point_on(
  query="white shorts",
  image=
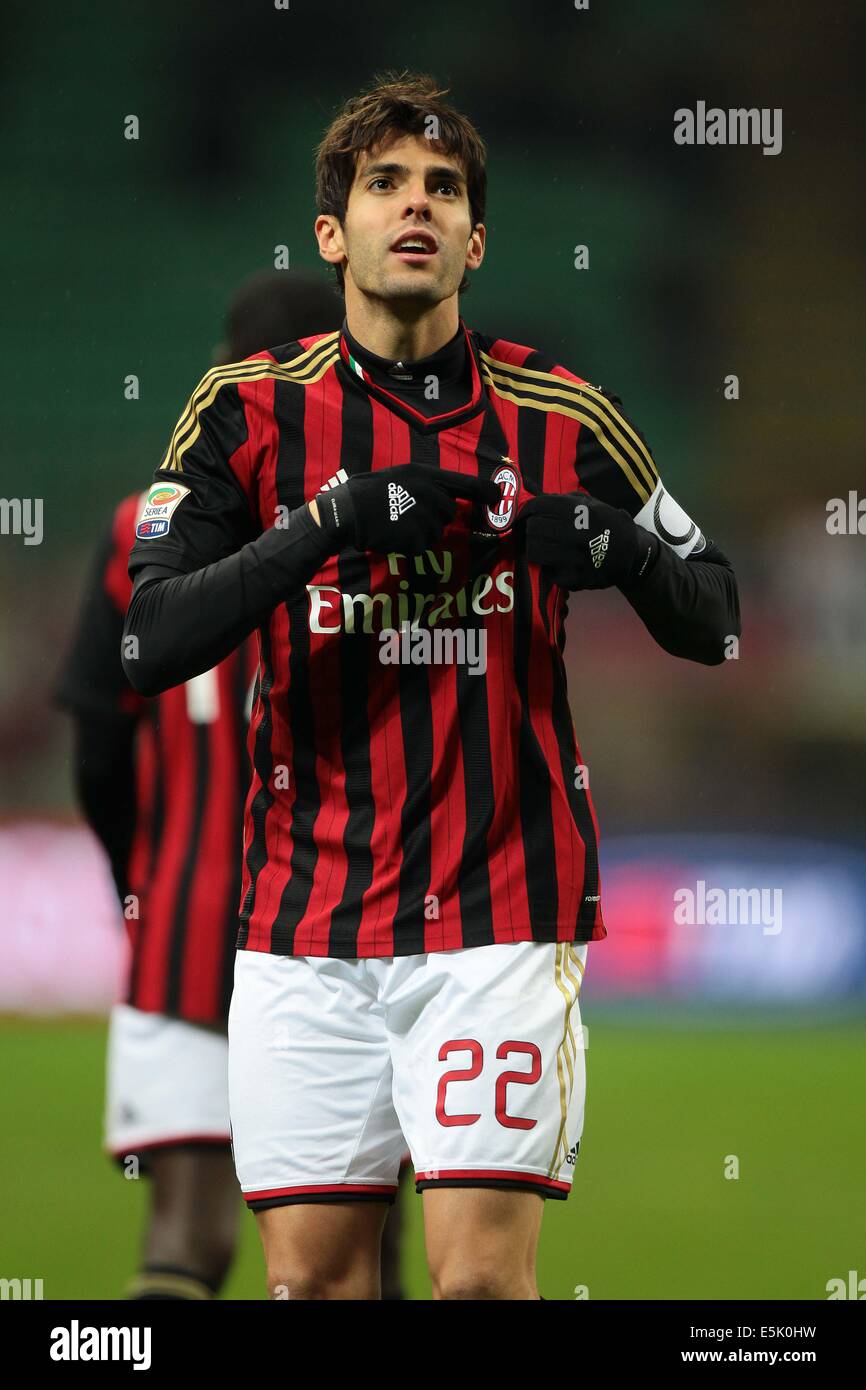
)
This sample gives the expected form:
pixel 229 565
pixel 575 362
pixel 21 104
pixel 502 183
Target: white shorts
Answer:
pixel 474 1055
pixel 167 1083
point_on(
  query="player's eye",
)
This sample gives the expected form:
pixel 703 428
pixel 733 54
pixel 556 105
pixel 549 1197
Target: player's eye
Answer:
pixel 381 178
pixel 452 186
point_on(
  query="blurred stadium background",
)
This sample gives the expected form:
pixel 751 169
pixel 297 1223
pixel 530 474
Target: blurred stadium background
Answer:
pixel 704 1041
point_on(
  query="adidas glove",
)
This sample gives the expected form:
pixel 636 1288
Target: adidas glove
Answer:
pixel 584 543
pixel 403 508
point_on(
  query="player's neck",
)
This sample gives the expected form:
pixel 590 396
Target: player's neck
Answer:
pixel 405 337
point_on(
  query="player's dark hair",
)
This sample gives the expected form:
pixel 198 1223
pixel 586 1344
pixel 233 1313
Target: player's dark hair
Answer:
pixel 397 104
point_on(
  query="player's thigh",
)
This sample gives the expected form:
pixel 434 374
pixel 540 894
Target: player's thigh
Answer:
pixel 195 1207
pixel 482 1242
pixel 194 1185
pixel 323 1249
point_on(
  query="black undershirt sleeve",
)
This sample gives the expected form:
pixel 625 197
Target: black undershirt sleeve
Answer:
pixel 104 771
pixel 187 623
pixel 106 714
pixel 691 607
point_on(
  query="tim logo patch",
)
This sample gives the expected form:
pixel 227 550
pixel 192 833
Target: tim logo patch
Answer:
pixel 501 517
pixel 161 501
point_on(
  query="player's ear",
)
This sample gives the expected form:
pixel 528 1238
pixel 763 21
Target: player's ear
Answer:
pixel 475 246
pixel 329 235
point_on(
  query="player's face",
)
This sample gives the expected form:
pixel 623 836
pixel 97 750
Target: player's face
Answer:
pixel 408 231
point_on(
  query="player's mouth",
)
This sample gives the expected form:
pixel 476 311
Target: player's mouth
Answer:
pixel 415 247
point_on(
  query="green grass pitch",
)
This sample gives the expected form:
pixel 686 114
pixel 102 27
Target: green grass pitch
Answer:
pixel 651 1216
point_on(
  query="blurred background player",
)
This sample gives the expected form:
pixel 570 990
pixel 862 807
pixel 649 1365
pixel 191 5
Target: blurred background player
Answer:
pixel 162 784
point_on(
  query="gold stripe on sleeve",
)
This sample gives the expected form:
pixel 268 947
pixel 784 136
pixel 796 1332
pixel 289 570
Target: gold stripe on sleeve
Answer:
pixel 188 427
pixel 589 407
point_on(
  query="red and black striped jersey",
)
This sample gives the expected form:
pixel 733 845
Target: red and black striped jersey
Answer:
pixel 421 805
pixel 191 774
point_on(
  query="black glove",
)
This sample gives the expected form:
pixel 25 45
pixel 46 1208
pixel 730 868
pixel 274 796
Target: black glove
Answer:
pixel 403 508
pixel 584 543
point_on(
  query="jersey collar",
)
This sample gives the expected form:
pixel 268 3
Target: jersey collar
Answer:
pixel 401 406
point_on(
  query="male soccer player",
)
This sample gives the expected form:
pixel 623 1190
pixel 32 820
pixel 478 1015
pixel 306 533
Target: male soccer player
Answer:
pixel 420 858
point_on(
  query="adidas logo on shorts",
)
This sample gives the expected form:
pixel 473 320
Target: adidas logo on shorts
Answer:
pixel 399 500
pixel 598 548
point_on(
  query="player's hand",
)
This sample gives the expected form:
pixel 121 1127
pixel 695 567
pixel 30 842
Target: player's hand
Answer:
pixel 584 543
pixel 403 508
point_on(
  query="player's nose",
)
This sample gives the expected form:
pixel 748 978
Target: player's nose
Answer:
pixel 418 199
